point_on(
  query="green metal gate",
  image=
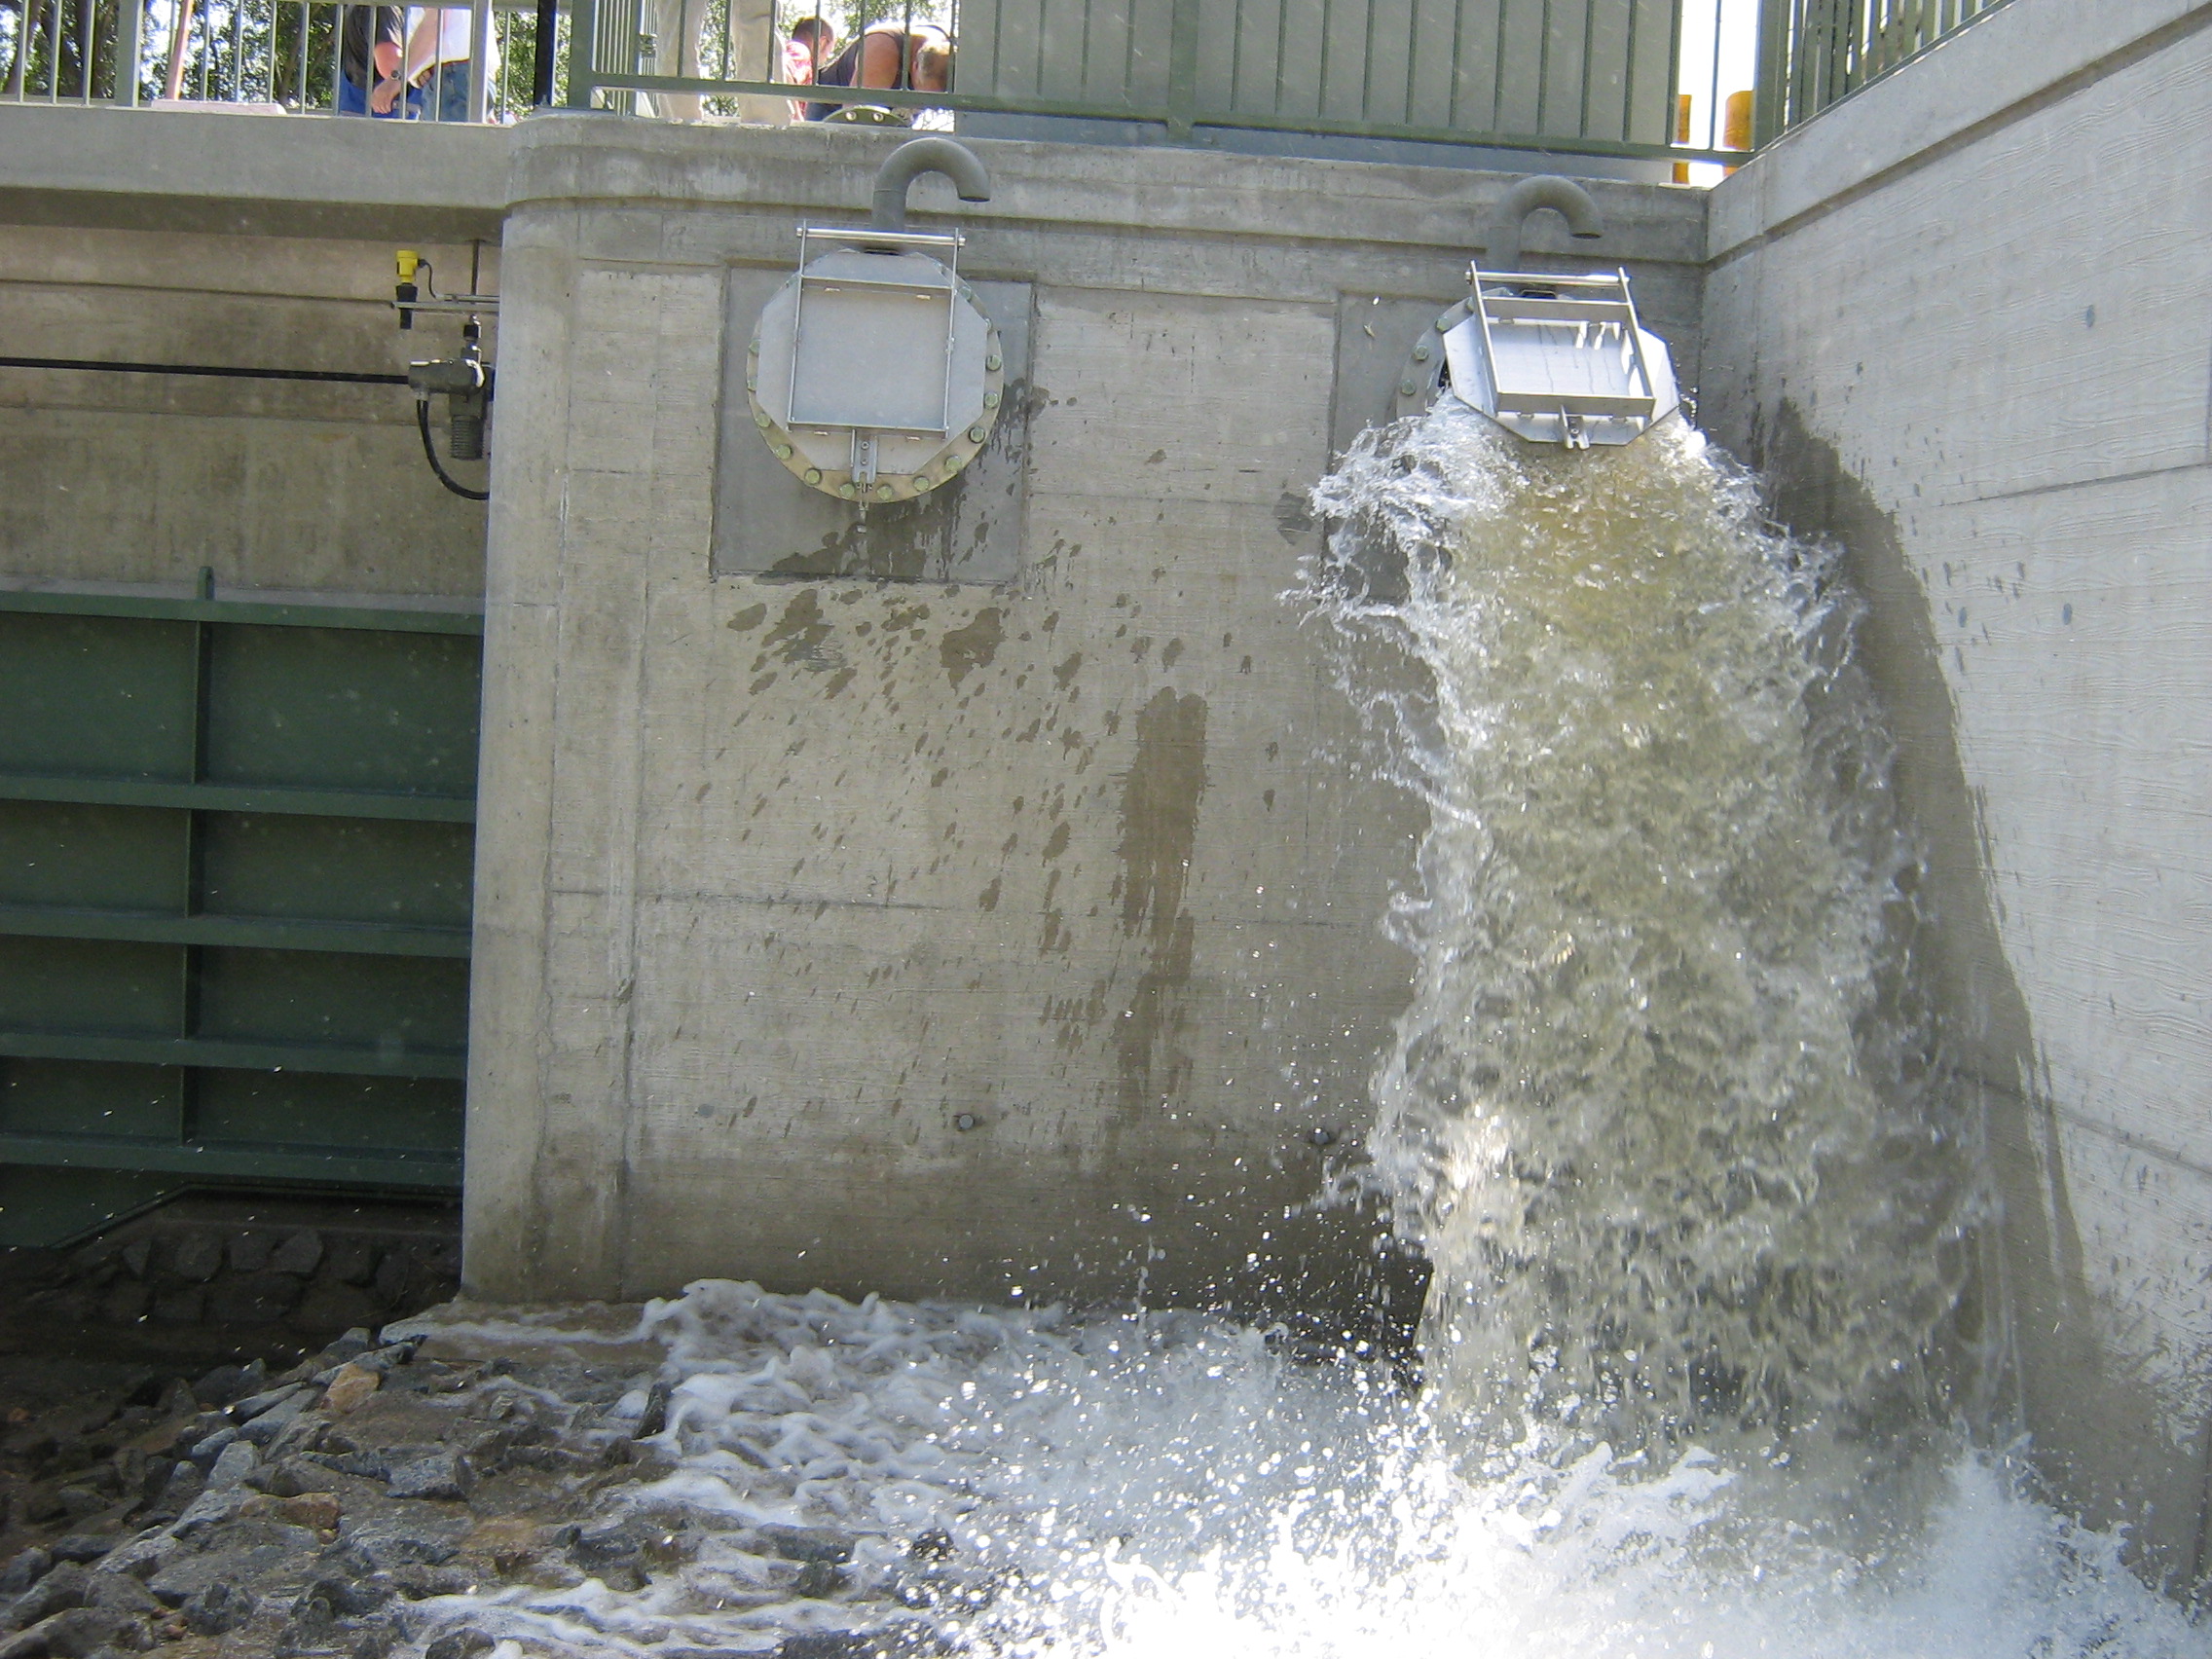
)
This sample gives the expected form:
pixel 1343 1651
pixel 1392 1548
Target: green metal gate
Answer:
pixel 235 869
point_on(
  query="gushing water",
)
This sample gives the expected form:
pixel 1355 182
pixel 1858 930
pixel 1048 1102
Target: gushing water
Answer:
pixel 1663 1112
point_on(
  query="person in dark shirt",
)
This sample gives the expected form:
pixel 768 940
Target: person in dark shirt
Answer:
pixel 371 35
pixel 917 59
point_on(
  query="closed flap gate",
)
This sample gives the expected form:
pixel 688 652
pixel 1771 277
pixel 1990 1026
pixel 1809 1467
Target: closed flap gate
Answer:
pixel 236 845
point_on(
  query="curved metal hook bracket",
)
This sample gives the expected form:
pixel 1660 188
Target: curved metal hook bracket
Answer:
pixel 919 156
pixel 1501 251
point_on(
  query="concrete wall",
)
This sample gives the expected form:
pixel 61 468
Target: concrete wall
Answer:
pixel 781 881
pixel 1960 319
pixel 116 246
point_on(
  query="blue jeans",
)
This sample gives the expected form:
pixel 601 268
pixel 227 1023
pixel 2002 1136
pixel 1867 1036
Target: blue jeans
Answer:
pixel 446 89
pixel 353 100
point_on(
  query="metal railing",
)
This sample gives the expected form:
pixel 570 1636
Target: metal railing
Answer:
pixel 1591 76
pixel 1813 53
pixel 1633 77
pixel 266 54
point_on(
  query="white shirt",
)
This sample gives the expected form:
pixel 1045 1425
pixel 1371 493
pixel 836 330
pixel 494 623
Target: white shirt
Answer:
pixel 453 36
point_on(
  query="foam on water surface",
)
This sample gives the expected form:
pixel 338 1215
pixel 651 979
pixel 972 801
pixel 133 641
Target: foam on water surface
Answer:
pixel 1166 1487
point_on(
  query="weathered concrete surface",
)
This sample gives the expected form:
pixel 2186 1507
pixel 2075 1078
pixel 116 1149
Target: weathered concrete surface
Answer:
pixel 1959 319
pixel 945 940
pixel 112 249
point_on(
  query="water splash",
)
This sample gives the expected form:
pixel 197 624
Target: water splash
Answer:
pixel 1025 1485
pixel 1663 1112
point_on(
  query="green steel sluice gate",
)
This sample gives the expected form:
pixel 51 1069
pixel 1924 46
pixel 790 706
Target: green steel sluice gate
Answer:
pixel 235 841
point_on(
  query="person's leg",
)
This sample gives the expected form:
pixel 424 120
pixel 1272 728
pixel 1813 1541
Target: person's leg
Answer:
pixel 673 26
pixel 758 57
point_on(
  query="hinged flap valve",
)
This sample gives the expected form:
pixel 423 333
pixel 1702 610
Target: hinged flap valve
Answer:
pixel 872 373
pixel 1559 359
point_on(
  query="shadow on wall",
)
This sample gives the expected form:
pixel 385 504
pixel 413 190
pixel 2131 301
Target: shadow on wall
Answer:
pixel 2091 1418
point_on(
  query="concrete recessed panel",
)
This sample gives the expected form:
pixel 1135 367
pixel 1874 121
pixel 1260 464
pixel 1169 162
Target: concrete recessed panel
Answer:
pixel 767 523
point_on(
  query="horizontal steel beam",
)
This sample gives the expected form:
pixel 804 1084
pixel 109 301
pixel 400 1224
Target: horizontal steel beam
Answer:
pixel 155 927
pixel 377 618
pixel 223 1055
pixel 240 798
pixel 435 1170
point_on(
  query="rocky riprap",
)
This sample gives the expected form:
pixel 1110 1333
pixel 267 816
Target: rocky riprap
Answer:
pixel 211 1276
pixel 354 1505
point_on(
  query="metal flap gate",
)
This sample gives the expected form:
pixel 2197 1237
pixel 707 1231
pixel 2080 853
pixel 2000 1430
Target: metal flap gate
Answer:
pixel 235 872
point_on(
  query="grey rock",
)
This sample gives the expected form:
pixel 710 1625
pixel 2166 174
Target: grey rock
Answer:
pixel 439 1475
pixel 120 1593
pixel 248 1252
pixel 348 1595
pixel 62 1587
pixel 300 1254
pixel 186 1481
pixel 265 1428
pixel 391 1281
pixel 136 1254
pixel 385 1360
pixel 807 1543
pixel 368 1465
pixel 198 1257
pixel 83 1548
pixel 143 1555
pixel 421 1583
pixel 422 1539
pixel 352 1345
pixel 351 1260
pixel 209 1446
pixel 210 1510
pixel 228 1382
pixel 291 1477
pixel 23 1570
pixel 465 1643
pixel 243 1554
pixel 232 1465
pixel 252 1299
pixel 77 1634
pixel 79 1501
pixel 219 1609
pixel 253 1405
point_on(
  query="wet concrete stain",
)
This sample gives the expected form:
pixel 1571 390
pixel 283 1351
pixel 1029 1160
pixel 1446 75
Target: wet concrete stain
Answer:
pixel 798 634
pixel 1159 826
pixel 975 646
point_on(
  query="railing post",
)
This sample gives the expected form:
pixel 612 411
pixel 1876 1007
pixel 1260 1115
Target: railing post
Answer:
pixel 1770 103
pixel 583 52
pixel 1182 69
pixel 479 59
pixel 548 45
pixel 131 37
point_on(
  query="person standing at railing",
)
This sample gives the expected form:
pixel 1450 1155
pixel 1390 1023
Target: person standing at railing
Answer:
pixel 909 59
pixel 356 54
pixel 436 63
pixel 812 44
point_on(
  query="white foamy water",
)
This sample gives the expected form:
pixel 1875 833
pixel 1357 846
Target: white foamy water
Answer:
pixel 1704 1355
pixel 1169 1487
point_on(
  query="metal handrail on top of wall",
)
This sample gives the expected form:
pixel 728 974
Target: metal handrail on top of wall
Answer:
pixel 1591 77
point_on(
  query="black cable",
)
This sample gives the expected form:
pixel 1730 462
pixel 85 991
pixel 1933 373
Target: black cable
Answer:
pixel 430 454
pixel 207 370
